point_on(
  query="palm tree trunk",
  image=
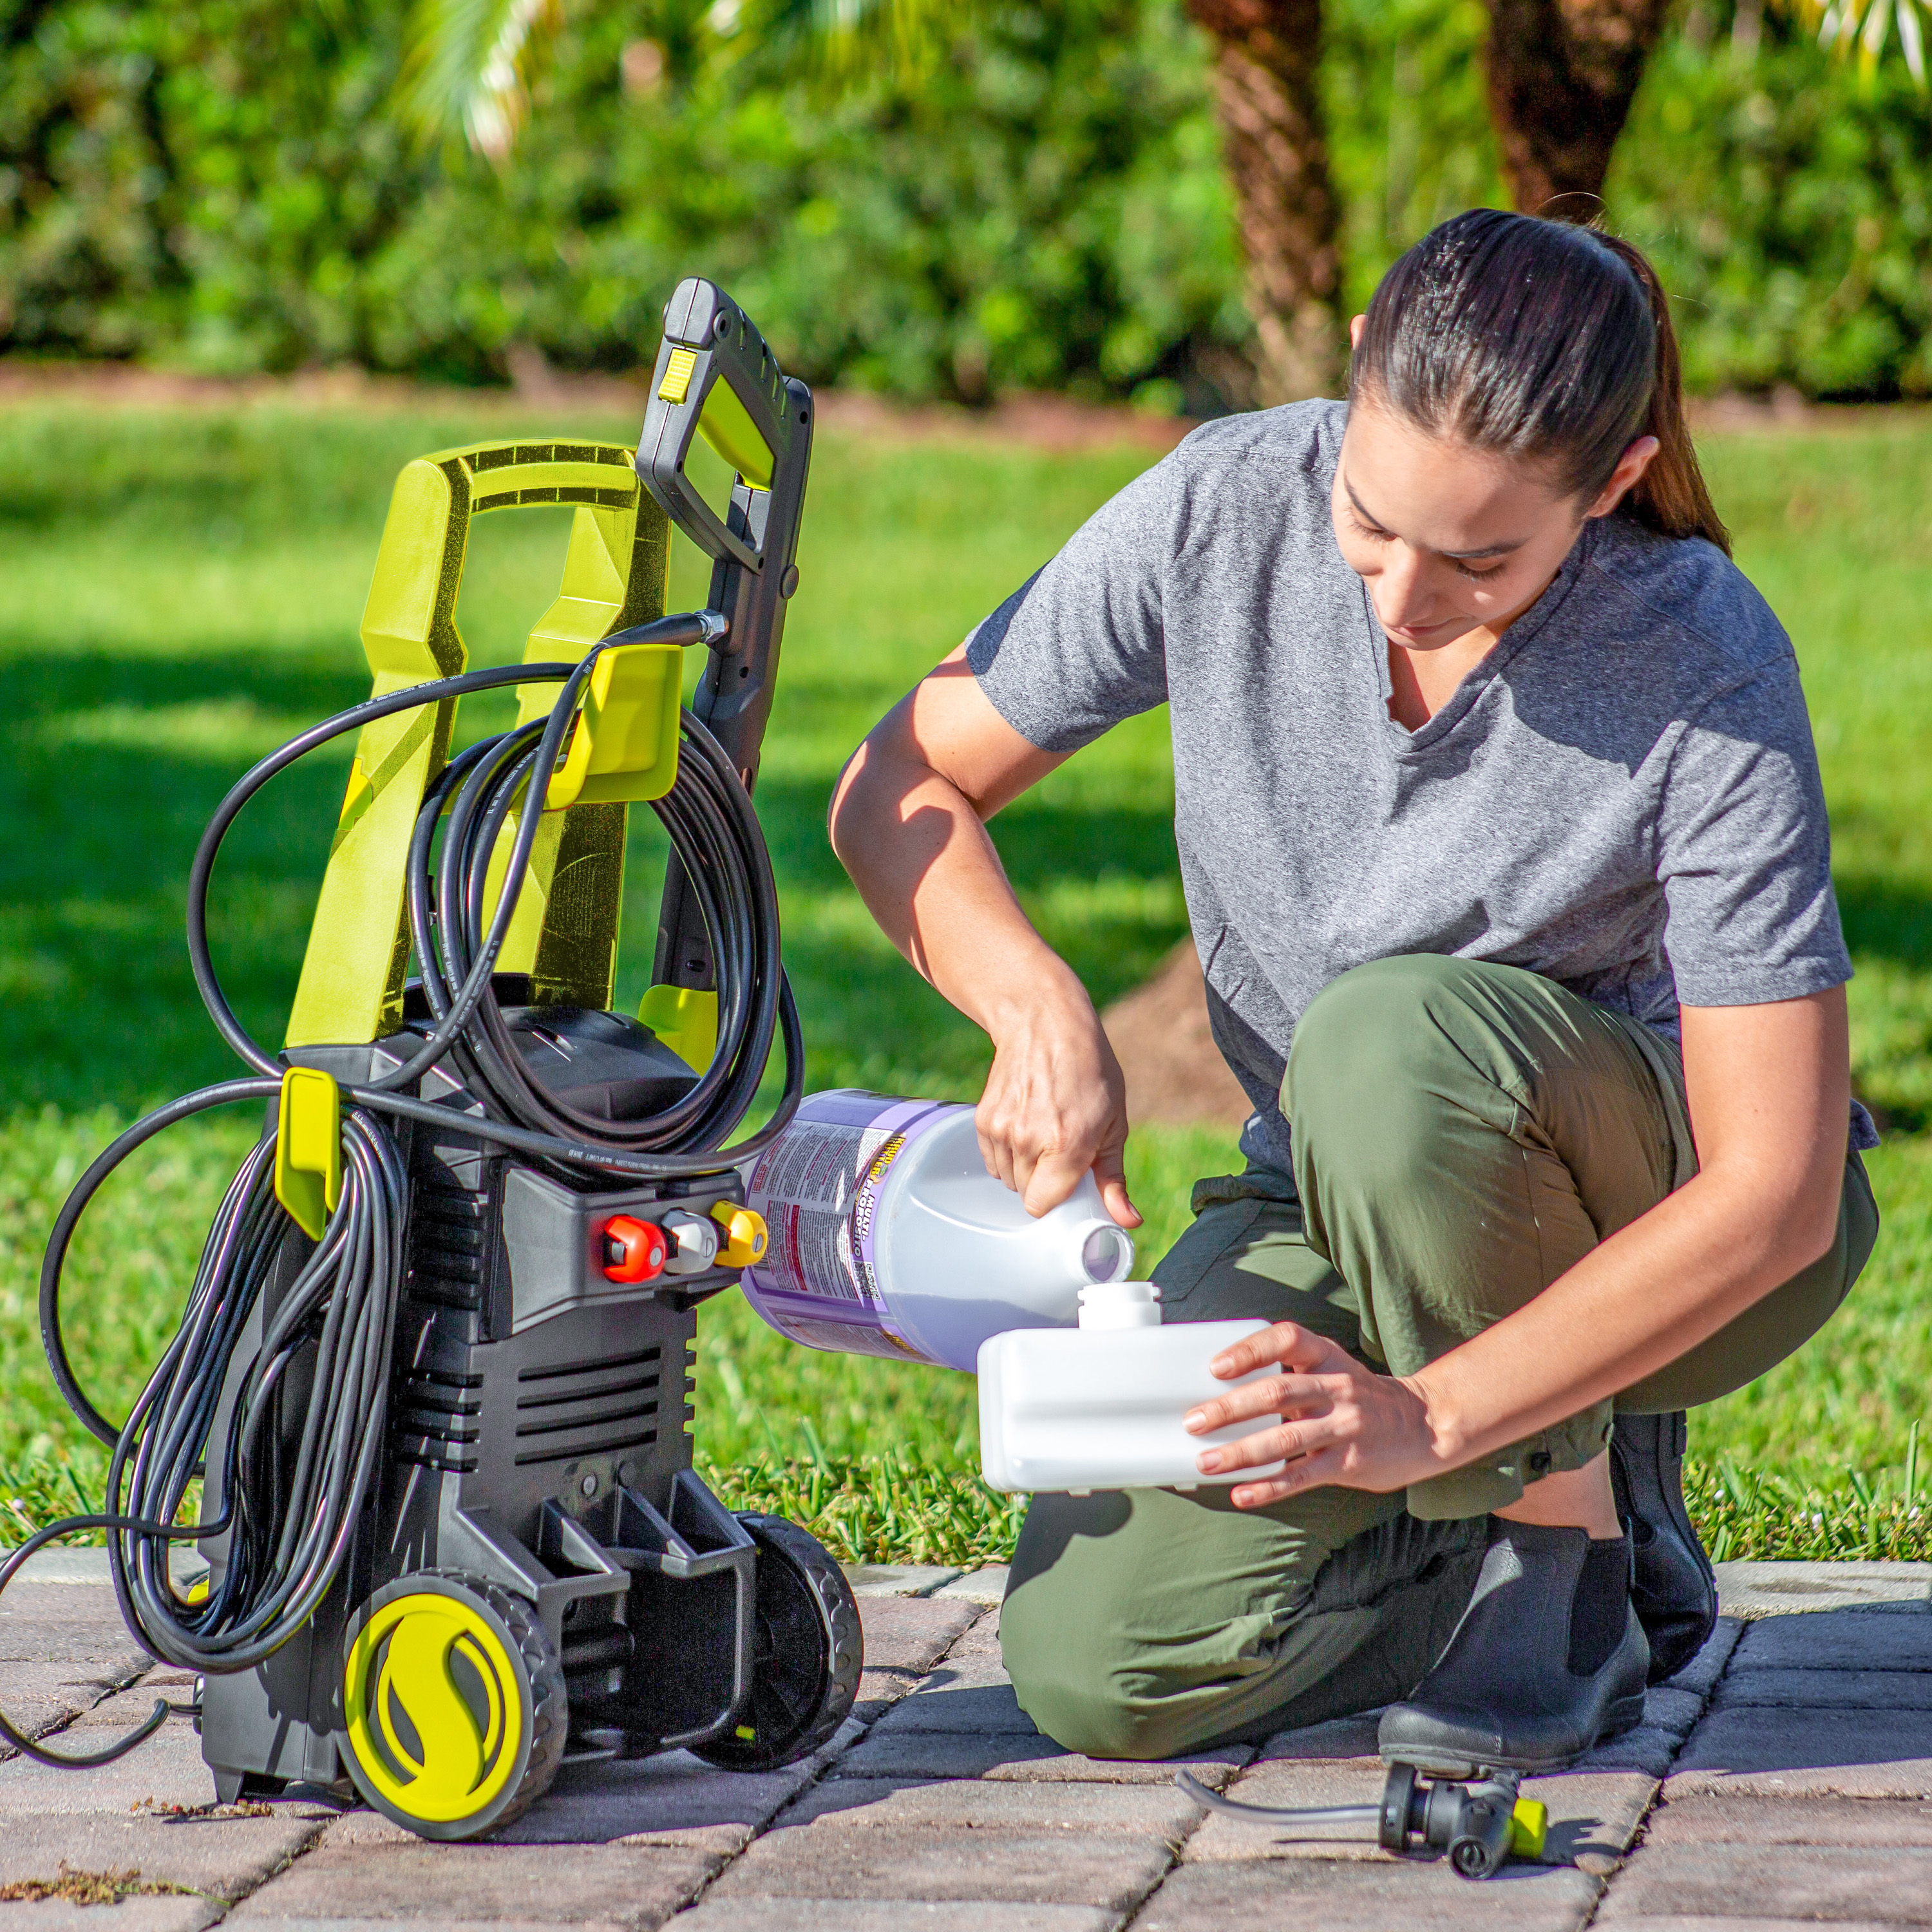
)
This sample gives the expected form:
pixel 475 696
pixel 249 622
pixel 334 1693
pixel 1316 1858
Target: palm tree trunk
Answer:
pixel 1562 75
pixel 1266 64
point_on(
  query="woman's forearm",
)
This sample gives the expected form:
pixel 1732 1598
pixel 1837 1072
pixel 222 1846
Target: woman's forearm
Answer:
pixel 1768 1088
pixel 1656 1288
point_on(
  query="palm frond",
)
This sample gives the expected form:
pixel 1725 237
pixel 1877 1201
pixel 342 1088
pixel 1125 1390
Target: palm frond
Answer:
pixel 467 66
pixel 855 38
pixel 1863 27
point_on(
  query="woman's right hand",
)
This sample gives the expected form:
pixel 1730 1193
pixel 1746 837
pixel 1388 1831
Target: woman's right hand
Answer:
pixel 1055 1106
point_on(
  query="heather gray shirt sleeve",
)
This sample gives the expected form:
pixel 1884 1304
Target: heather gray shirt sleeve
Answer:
pixel 1744 852
pixel 1081 645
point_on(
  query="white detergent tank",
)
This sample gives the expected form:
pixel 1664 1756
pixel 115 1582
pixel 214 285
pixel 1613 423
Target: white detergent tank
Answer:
pixel 1101 1406
pixel 888 1237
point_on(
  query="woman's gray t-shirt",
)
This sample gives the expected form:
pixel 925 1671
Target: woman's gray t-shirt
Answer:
pixel 1623 795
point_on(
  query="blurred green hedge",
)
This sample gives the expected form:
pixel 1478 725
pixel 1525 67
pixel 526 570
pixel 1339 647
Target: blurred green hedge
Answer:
pixel 217 184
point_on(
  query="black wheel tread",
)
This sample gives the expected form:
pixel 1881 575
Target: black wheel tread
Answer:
pixel 813 1566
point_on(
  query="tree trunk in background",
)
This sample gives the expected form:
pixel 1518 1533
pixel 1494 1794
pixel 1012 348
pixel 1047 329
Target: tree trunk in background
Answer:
pixel 1266 84
pixel 1562 75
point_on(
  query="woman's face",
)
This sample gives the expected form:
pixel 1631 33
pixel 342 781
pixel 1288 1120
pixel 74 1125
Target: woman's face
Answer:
pixel 1450 539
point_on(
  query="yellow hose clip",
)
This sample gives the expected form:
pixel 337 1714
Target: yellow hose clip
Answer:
pixel 308 1148
pixel 745 1234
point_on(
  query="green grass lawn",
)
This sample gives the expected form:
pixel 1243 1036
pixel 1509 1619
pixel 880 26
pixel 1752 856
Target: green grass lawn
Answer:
pixel 182 588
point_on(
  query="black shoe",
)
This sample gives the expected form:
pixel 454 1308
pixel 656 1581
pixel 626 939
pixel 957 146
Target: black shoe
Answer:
pixel 1548 1659
pixel 1674 1589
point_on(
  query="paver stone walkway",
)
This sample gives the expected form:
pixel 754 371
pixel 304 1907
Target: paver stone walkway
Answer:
pixel 1784 1778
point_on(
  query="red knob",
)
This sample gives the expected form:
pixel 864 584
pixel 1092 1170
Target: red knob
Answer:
pixel 633 1250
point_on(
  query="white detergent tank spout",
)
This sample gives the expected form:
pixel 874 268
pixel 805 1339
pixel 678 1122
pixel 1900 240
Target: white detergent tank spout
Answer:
pixel 1101 1406
pixel 1120 1304
pixel 888 1237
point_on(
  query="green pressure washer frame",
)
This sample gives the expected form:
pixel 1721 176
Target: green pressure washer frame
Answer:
pixel 537 1434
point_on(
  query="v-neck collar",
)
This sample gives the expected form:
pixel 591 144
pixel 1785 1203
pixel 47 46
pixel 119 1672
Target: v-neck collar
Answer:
pixel 1461 700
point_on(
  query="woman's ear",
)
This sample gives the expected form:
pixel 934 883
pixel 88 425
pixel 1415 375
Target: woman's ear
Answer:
pixel 1630 466
pixel 1355 331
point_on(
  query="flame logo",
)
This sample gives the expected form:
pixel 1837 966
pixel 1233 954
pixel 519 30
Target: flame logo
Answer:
pixel 435 1706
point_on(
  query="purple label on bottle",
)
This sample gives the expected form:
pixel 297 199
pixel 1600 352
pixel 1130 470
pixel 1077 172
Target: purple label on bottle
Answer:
pixel 818 1187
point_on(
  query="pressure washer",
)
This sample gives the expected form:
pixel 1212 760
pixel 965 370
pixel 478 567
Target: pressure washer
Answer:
pixel 434 1367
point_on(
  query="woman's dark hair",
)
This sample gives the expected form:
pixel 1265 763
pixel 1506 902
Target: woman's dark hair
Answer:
pixel 1543 341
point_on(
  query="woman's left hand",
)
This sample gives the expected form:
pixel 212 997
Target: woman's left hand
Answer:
pixel 1339 1422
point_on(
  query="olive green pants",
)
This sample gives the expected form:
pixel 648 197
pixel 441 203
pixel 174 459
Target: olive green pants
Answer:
pixel 1463 1133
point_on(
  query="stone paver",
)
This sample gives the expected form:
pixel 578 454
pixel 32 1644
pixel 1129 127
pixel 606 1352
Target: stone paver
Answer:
pixel 674 1799
pixel 832 1859
pixel 899 1915
pixel 1768 1589
pixel 406 1880
pixel 1029 1757
pixel 225 1855
pixel 1363 1895
pixel 1751 1818
pixel 1790 1689
pixel 897 1580
pixel 1845 1639
pixel 953 1700
pixel 135 1914
pixel 167 1769
pixel 987 1587
pixel 41 1696
pixel 895 1805
pixel 912 1633
pixel 1858 1753
pixel 978 1639
pixel 1677 1923
pixel 1794 1755
pixel 879 1690
pixel 1340 1737
pixel 1885 1884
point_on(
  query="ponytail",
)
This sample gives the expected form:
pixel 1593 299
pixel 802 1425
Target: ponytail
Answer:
pixel 1669 496
pixel 1545 342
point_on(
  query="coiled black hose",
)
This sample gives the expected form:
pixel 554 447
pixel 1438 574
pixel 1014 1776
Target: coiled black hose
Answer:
pixel 291 1516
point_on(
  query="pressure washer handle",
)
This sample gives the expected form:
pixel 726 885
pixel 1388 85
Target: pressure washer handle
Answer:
pixel 716 376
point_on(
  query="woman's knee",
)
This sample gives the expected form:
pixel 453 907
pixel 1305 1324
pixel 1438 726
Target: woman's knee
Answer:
pixel 1375 1068
pixel 1095 1710
pixel 1086 1687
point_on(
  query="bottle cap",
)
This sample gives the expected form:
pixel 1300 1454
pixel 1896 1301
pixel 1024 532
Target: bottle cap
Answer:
pixel 1120 1304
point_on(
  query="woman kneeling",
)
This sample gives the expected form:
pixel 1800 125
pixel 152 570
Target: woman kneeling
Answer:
pixel 1505 854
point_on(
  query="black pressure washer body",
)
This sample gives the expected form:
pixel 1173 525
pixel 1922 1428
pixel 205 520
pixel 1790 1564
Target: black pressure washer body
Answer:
pixel 454 1534
pixel 537 1475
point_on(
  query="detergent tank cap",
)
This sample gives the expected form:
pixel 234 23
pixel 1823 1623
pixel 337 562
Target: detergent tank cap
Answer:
pixel 1120 1304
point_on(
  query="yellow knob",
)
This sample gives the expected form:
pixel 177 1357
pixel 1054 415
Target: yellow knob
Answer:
pixel 1529 1828
pixel 745 1234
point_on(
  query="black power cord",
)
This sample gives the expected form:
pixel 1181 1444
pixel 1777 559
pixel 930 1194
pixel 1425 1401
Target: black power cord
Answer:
pixel 292 1514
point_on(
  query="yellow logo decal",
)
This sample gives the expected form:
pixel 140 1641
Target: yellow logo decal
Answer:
pixel 434 1706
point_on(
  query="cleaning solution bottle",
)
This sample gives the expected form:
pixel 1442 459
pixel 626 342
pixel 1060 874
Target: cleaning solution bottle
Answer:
pixel 1101 1406
pixel 889 1237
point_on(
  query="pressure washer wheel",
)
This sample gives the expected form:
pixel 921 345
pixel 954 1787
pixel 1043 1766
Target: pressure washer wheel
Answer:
pixel 806 1655
pixel 454 1714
